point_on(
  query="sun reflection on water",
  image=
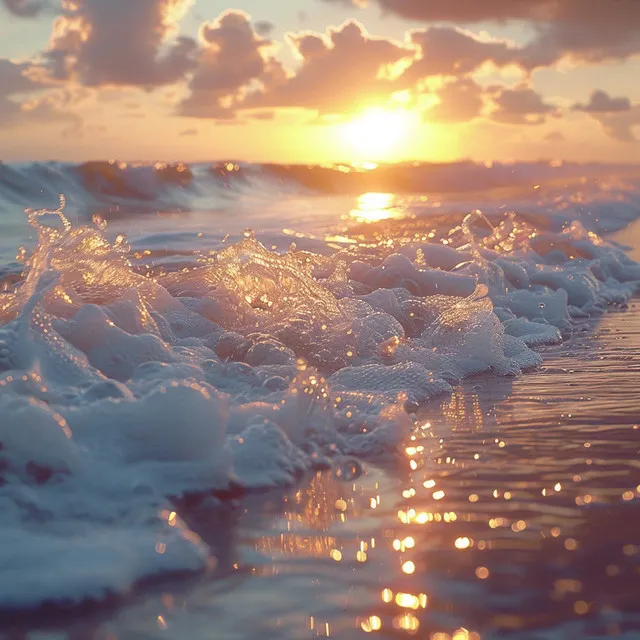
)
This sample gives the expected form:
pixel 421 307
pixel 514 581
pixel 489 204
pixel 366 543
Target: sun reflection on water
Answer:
pixel 374 207
pixel 485 531
pixel 487 525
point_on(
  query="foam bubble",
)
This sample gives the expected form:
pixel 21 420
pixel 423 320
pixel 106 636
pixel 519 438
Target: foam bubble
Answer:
pixel 122 389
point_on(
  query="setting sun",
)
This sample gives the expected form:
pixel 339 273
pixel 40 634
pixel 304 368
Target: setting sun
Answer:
pixel 379 134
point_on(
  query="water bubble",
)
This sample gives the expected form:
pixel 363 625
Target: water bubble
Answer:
pixel 120 244
pixel 348 469
pixel 411 406
pixel 99 221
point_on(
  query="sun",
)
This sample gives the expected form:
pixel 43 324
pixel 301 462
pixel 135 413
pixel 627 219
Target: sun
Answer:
pixel 379 134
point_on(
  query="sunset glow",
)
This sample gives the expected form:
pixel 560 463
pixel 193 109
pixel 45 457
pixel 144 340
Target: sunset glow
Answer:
pixel 379 134
pixel 373 207
pixel 349 81
pixel 278 285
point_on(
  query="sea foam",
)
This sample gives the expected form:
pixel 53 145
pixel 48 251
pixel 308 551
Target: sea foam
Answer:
pixel 125 388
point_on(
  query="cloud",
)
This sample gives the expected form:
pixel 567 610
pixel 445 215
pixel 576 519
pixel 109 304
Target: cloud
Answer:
pixel 460 101
pixel 589 30
pixel 25 8
pixel 617 116
pixel 189 132
pixel 470 11
pixel 23 100
pixel 341 70
pixel 452 51
pixel 232 57
pixel 555 136
pixel 262 115
pixel 120 43
pixel 265 28
pixel 521 105
pixel 14 79
pixel 601 102
pixel 620 126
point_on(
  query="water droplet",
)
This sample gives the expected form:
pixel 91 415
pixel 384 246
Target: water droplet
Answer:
pixel 348 469
pixel 121 244
pixel 99 221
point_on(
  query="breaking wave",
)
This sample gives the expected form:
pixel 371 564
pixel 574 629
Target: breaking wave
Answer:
pixel 120 188
pixel 128 383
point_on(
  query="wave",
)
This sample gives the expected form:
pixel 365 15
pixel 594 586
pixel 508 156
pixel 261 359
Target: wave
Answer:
pixel 126 386
pixel 122 188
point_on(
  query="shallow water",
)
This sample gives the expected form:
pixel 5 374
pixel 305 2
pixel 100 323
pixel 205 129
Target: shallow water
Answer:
pixel 134 406
pixel 513 514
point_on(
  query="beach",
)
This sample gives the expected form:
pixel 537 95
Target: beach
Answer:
pixel 499 502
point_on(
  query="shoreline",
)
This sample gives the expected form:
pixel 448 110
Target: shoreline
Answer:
pixel 324 538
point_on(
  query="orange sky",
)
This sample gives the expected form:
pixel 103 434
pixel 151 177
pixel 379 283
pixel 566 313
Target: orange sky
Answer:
pixel 330 81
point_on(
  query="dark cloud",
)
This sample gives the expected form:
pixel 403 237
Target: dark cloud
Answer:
pixel 264 28
pixel 470 11
pixel 26 8
pixel 589 30
pixel 521 105
pixel 601 102
pixel 460 101
pixel 189 132
pixel 340 71
pixel 120 43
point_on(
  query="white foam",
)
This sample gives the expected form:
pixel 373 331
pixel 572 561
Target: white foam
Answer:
pixel 120 391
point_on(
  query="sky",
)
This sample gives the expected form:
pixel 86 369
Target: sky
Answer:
pixel 317 81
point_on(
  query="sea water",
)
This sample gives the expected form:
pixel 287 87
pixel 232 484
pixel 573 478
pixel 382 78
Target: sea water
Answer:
pixel 177 338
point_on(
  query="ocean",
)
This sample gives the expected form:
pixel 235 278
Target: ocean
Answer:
pixel 242 401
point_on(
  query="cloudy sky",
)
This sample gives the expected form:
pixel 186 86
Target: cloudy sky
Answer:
pixel 320 80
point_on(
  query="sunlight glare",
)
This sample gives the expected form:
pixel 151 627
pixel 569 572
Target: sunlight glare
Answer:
pixel 379 134
pixel 373 207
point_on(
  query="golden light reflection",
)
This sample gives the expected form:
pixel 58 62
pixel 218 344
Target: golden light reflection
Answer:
pixel 407 601
pixel 463 543
pixel 373 623
pixel 408 567
pixel 310 515
pixel 336 555
pixel 374 206
pixel 408 622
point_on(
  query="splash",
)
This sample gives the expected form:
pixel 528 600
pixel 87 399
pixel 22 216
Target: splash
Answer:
pixel 123 388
